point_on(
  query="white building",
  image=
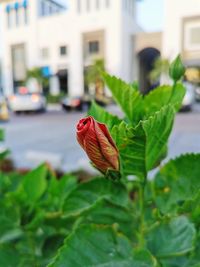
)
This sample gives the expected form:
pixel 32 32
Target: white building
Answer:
pixel 65 40
pixel 181 34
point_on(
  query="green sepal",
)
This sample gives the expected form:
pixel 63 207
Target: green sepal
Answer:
pixel 176 69
pixel 113 174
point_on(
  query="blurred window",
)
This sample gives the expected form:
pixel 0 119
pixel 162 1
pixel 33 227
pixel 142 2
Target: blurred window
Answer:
pixel 18 62
pixel 50 9
pixel 63 50
pixel 97 4
pixel 93 47
pixel 195 35
pixel 88 5
pixel 8 19
pixel 17 17
pixel 107 3
pixel 43 8
pixel 25 15
pixel 45 53
pixel 79 6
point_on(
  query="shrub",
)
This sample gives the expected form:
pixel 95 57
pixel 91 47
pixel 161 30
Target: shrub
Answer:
pixel 111 221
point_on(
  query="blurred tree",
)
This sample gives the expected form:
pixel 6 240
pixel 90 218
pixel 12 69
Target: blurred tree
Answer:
pixel 37 74
pixel 93 76
pixel 160 67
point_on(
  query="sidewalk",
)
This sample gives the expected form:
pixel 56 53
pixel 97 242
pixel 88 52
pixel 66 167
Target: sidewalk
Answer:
pixel 54 107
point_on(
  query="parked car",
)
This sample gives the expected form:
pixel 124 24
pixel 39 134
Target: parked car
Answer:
pixel 75 103
pixel 26 101
pixel 189 97
pixel 197 93
pixel 80 103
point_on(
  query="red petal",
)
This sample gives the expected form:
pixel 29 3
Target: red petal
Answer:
pixel 108 150
pixel 82 128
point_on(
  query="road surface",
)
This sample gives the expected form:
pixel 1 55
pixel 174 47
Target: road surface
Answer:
pixel 33 138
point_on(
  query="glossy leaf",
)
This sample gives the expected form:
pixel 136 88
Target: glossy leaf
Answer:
pixel 161 96
pixel 129 99
pixel 59 189
pixel 98 246
pixel 135 106
pixel 8 256
pixel 176 182
pixel 87 194
pixel 9 218
pixel 35 183
pixel 141 147
pixel 173 238
pixel 103 116
pixel 180 262
pixel 106 213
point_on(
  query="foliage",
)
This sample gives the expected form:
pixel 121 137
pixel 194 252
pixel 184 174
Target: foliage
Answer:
pixel 93 73
pixel 160 67
pixel 54 99
pixel 37 74
pixel 133 221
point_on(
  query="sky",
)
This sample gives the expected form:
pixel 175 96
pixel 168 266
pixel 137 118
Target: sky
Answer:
pixel 150 14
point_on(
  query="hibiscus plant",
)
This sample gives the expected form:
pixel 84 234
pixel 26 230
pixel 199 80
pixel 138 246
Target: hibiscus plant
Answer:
pixel 122 217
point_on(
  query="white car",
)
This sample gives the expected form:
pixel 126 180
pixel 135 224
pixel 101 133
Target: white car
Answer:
pixel 27 102
pixel 189 97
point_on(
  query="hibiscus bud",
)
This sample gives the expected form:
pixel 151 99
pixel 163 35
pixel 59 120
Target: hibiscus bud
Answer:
pixel 176 69
pixel 97 142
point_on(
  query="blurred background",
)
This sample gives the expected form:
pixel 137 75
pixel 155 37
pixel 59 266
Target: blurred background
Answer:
pixel 51 52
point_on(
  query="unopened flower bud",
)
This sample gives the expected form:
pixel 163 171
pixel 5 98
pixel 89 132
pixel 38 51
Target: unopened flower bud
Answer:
pixel 97 142
pixel 176 69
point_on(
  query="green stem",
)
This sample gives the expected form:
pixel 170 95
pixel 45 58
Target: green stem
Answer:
pixel 142 210
pixel 173 90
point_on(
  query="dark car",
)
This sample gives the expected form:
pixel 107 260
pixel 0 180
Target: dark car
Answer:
pixel 80 103
pixel 197 93
pixel 77 103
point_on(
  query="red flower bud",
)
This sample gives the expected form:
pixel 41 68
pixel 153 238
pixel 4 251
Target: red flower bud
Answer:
pixel 97 142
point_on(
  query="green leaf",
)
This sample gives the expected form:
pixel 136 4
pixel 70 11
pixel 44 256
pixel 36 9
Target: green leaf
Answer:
pixel 103 116
pixel 99 246
pixel 192 208
pixel 141 147
pixel 177 262
pixel 180 262
pixel 2 134
pixel 59 189
pixel 135 106
pixel 9 257
pixel 9 217
pixel 161 96
pixel 171 239
pixel 87 194
pixel 177 182
pixel 35 183
pixel 4 154
pixel 106 213
pixel 129 99
pixel 11 235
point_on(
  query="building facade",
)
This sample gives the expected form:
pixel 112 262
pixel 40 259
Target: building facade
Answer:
pixel 65 40
pixel 181 34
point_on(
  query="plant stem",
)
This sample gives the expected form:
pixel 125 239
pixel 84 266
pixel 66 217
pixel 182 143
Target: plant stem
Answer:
pixel 142 210
pixel 173 90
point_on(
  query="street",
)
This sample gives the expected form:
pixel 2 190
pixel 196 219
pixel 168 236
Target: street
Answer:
pixel 34 138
